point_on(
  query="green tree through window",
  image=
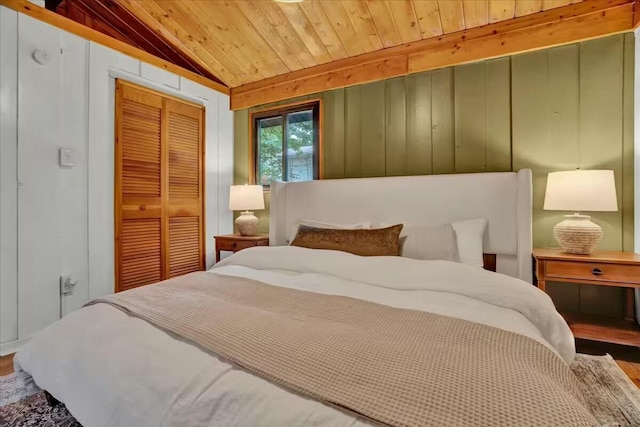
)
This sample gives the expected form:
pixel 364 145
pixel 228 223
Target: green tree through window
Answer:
pixel 286 144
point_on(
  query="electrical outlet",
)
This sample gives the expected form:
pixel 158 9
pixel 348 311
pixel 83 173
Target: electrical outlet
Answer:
pixel 66 285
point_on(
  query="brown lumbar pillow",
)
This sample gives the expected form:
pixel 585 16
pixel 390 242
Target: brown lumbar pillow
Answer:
pixel 368 242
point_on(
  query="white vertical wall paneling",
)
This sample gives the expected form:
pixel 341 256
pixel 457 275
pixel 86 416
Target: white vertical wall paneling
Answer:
pixel 72 183
pixel 636 148
pixel 38 303
pixel 65 216
pixel 52 228
pixel 196 90
pixel 8 174
pixel 225 164
pixel 155 74
pixel 116 73
pixel 211 178
pixel 122 62
pixel 101 169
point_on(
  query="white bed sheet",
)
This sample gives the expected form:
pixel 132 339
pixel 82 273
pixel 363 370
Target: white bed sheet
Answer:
pixel 114 370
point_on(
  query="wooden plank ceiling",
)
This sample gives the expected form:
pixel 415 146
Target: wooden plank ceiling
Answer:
pixel 266 50
pixel 250 40
pixel 112 19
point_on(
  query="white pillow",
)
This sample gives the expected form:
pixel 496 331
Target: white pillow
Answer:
pixel 316 224
pixel 421 241
pixel 426 241
pixel 469 241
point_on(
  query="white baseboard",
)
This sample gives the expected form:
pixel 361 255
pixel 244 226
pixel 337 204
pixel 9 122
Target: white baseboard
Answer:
pixel 12 346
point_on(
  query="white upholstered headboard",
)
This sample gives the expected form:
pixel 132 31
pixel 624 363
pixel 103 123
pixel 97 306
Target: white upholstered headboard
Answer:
pixel 503 198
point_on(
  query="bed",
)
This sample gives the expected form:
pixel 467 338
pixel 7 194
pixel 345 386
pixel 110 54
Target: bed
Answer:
pixel 297 352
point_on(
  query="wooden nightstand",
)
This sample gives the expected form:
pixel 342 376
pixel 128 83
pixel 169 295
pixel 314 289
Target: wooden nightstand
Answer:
pixel 620 269
pixel 236 242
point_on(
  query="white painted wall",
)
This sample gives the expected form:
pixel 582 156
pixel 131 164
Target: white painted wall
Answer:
pixel 8 173
pixel 56 221
pixel 52 202
pixel 636 166
pixel 636 150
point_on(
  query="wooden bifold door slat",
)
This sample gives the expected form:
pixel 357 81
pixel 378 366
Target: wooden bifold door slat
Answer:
pixel 158 186
pixel 140 158
pixel 140 252
pixel 184 156
pixel 184 254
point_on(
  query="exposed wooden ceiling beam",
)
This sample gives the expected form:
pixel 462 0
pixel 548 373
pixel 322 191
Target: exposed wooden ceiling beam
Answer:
pixel 568 24
pixel 42 14
pixel 564 30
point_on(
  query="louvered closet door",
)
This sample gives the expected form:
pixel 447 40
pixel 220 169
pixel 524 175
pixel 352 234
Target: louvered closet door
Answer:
pixel 159 187
pixel 138 187
pixel 185 219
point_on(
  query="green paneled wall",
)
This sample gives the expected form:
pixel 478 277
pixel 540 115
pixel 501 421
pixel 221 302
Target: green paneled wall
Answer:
pixel 572 108
pixel 557 109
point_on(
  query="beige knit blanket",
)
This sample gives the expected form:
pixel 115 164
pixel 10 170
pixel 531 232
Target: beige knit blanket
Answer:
pixel 393 366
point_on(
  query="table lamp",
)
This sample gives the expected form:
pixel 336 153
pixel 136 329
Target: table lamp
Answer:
pixel 580 190
pixel 243 198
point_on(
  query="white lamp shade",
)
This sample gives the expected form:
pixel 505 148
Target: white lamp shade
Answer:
pixel 246 197
pixel 581 190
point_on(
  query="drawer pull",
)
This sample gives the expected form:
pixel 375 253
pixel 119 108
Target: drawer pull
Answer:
pixel 597 272
pixel 234 244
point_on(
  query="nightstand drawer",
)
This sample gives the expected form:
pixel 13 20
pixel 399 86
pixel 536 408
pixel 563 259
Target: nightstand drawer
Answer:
pixel 592 271
pixel 236 242
pixel 230 245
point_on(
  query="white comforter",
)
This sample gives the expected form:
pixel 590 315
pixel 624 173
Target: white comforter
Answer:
pixel 114 370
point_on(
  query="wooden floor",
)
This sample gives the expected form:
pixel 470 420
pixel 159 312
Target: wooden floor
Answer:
pixel 628 358
pixel 6 365
pixel 632 370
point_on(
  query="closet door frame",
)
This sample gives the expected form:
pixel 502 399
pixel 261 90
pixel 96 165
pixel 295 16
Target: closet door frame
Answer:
pixel 120 84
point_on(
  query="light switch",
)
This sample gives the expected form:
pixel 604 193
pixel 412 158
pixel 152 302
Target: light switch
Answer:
pixel 66 157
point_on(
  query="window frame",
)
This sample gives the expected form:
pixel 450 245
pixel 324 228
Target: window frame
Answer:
pixel 283 110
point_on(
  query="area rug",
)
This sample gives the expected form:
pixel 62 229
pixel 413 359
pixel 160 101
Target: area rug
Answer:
pixel 612 397
pixel 15 387
pixel 34 411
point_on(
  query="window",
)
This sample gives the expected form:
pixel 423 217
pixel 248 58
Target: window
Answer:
pixel 286 143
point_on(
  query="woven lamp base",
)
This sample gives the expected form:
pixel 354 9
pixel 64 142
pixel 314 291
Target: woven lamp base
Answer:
pixel 577 234
pixel 247 224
